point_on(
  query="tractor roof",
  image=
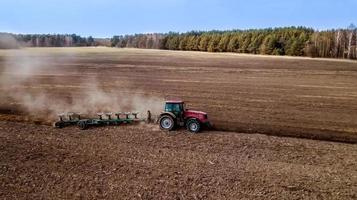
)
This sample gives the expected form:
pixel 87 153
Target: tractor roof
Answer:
pixel 174 101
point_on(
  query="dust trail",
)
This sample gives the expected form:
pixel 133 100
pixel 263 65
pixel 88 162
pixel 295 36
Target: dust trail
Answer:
pixel 96 98
pixel 20 86
pixel 7 41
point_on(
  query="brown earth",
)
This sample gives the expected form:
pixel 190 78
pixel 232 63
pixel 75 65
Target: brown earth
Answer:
pixel 141 162
pixel 299 97
pixel 313 98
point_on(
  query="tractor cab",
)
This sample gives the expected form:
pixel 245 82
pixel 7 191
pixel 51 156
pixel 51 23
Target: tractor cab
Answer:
pixel 175 107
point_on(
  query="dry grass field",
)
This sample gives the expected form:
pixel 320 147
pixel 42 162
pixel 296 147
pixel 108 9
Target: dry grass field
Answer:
pixel 276 96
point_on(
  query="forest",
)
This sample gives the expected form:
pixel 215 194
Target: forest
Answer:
pixel 10 41
pixel 291 41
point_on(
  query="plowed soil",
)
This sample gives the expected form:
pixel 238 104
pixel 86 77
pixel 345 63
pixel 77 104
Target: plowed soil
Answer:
pixel 299 97
pixel 141 162
pixel 276 96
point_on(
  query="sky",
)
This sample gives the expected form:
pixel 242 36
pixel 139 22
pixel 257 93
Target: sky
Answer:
pixel 105 18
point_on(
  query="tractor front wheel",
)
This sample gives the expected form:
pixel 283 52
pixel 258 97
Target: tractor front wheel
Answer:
pixel 193 126
pixel 167 123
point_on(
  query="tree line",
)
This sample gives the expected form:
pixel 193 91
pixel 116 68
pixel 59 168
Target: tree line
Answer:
pixel 292 41
pixel 144 41
pixel 8 40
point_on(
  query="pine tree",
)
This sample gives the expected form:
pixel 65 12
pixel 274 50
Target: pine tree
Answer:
pixel 233 44
pixel 223 43
pixel 269 45
pixel 213 43
pixel 204 43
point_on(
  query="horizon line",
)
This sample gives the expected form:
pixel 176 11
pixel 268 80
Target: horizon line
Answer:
pixel 180 32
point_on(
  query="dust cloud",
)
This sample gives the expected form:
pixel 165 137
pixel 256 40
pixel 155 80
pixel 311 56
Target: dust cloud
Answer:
pixel 22 74
pixel 8 42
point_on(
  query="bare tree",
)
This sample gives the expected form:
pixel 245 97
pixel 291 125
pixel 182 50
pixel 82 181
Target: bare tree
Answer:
pixel 356 45
pixel 349 44
pixel 338 43
pixel 351 29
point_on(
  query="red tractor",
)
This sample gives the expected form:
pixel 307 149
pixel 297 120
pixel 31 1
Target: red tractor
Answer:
pixel 176 115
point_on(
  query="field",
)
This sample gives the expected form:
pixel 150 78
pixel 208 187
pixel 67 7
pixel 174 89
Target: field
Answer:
pixel 275 96
pixel 312 98
pixel 141 162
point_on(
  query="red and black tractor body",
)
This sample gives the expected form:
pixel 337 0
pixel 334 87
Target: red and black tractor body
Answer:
pixel 176 115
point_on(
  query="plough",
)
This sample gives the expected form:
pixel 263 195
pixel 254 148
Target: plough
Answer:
pixel 72 119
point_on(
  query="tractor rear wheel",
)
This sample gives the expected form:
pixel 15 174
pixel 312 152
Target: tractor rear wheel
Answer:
pixel 167 123
pixel 193 126
pixel 82 125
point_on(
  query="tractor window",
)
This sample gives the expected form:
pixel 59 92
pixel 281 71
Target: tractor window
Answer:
pixel 173 107
pixel 168 107
pixel 177 107
pixel 183 107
